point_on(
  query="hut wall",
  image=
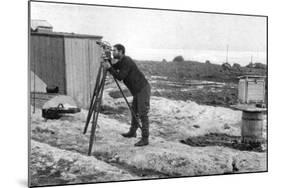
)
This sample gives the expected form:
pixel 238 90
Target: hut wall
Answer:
pixel 94 63
pixel 47 61
pixel 82 62
pixel 37 84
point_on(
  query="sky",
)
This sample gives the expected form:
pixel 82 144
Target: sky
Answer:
pixel 156 35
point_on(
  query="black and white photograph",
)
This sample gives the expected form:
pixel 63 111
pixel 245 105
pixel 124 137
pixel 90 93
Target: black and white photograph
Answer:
pixel 121 93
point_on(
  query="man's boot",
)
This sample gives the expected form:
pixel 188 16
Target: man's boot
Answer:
pixel 133 129
pixel 129 134
pixel 144 131
pixel 143 142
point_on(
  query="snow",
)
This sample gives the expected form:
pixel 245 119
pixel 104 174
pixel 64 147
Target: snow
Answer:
pixel 66 101
pixel 72 167
pixel 177 118
pixel 170 121
pixel 159 77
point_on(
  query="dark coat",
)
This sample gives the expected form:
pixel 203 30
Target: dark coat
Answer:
pixel 126 69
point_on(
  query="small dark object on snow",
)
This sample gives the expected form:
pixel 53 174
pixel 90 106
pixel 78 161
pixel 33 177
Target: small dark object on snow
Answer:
pixel 57 112
pixel 52 89
pixel 226 126
pixel 260 105
pixel 234 167
pixel 196 126
pixel 51 113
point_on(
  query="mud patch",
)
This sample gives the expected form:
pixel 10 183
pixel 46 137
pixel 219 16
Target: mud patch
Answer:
pixel 220 139
pixel 117 94
pixel 108 110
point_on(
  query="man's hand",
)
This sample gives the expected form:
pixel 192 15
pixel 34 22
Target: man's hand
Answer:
pixel 106 65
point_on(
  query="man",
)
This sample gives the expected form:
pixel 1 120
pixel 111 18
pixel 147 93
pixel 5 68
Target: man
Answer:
pixel 126 69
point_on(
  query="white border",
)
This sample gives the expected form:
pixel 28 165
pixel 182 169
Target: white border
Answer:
pixel 14 92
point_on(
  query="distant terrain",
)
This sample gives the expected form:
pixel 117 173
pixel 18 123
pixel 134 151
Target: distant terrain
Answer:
pixel 198 70
pixel 220 89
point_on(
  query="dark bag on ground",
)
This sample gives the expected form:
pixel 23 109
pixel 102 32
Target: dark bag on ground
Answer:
pixel 57 112
pixel 52 112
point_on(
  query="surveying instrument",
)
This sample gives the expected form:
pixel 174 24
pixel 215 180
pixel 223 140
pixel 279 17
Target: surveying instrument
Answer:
pixel 96 99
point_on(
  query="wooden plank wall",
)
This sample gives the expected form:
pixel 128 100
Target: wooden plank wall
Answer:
pixel 256 91
pixel 81 57
pixel 47 60
pixel 94 63
pixel 241 91
pixel 251 90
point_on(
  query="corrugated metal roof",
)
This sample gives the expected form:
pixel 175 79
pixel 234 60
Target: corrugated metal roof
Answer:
pixel 40 23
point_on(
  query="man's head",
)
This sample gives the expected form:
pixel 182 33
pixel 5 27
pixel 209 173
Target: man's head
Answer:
pixel 118 51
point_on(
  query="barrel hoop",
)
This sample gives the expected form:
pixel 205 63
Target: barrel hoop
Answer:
pixel 252 118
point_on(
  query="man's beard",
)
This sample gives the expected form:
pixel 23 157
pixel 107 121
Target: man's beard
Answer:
pixel 116 56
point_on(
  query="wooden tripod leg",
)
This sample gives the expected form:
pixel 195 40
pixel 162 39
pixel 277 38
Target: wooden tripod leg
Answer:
pixel 95 94
pixel 96 114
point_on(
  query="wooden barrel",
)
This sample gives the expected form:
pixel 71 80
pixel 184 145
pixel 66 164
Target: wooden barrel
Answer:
pixel 252 127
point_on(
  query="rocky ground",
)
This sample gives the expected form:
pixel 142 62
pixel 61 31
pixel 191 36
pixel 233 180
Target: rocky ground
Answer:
pixel 59 148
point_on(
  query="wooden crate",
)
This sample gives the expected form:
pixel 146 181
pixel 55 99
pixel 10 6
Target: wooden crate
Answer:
pixel 251 89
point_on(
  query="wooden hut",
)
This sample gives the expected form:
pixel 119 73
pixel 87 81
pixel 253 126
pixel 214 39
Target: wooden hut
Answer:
pixel 65 60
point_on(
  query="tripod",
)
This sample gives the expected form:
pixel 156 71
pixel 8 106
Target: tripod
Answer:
pixel 95 104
